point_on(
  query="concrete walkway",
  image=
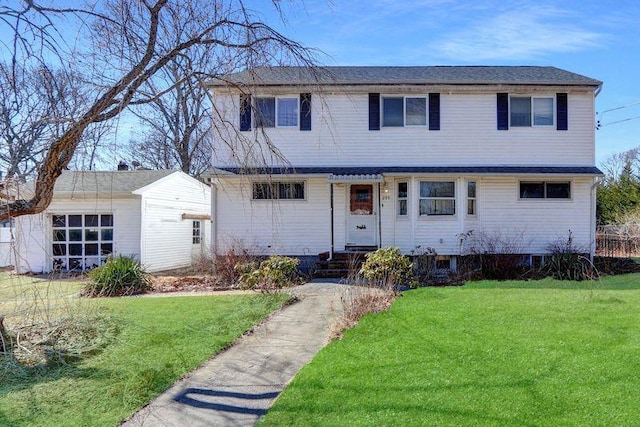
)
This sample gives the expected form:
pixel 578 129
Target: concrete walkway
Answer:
pixel 236 387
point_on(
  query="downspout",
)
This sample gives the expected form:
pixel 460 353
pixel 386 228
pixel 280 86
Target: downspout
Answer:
pixel 379 217
pixel 214 221
pixel 592 220
pixel 331 249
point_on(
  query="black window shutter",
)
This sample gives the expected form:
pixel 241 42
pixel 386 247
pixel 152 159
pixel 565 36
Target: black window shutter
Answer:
pixel 434 111
pixel 562 114
pixel 374 111
pixel 305 111
pixel 245 112
pixel 503 111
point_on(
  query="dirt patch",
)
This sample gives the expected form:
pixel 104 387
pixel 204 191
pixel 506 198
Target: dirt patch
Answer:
pixel 188 283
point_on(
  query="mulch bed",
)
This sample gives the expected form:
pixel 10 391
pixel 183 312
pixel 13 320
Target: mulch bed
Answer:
pixel 195 283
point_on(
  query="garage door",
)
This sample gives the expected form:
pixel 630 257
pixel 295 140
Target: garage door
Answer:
pixel 81 241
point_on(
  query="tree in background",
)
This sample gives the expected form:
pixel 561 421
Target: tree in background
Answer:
pixel 119 48
pixel 36 105
pixel 176 127
pixel 619 192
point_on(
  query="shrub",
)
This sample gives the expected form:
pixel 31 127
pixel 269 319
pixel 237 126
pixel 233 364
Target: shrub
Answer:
pixel 567 261
pixel 121 275
pixel 424 264
pixel 226 265
pixel 388 267
pixel 274 273
pixel 495 255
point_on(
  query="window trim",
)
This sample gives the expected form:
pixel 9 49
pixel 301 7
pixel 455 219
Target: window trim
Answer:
pixel 453 198
pixel 531 98
pixel 544 183
pixel 404 110
pixel 276 109
pixel 278 184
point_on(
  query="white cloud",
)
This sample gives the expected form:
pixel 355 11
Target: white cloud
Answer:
pixel 516 35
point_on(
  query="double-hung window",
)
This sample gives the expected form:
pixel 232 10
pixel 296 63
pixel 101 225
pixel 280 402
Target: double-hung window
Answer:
pixel 280 112
pixel 527 111
pixel 404 111
pixel 545 190
pixel 437 198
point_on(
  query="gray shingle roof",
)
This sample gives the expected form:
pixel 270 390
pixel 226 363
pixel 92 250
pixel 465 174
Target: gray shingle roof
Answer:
pixel 106 181
pixel 453 75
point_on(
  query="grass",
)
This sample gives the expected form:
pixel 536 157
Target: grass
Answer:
pixel 159 340
pixel 21 292
pixel 489 353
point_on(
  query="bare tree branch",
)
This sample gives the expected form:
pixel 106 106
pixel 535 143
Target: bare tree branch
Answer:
pixel 129 44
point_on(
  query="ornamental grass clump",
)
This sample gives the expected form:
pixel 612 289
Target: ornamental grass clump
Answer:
pixel 120 276
pixel 387 267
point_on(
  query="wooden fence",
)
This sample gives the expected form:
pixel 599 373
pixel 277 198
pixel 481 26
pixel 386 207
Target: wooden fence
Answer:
pixel 617 245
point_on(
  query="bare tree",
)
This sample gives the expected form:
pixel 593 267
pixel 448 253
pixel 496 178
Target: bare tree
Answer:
pixel 177 126
pixel 35 105
pixel 123 52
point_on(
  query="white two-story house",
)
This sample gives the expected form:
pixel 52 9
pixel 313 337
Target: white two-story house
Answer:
pixel 313 160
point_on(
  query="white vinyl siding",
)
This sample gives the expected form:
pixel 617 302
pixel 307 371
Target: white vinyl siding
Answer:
pixel 276 226
pixel 34 233
pixel 535 223
pixel 166 235
pixel 468 136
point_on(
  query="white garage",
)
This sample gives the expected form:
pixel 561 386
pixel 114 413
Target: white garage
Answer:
pixel 162 218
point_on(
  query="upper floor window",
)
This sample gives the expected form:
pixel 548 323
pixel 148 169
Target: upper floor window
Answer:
pixel 287 112
pixel 272 112
pixel 531 111
pixel 545 190
pixel 404 111
pixel 437 198
pixel 278 190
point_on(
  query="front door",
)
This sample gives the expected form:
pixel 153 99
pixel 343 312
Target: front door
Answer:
pixel 362 218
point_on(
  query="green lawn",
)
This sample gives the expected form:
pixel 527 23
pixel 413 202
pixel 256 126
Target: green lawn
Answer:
pixel 489 353
pixel 159 340
pixel 17 293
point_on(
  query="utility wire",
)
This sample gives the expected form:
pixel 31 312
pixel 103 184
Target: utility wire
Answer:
pixel 599 123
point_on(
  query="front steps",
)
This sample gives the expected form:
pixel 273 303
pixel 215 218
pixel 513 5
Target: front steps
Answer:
pixel 343 264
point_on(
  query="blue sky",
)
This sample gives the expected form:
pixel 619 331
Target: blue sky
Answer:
pixel 599 39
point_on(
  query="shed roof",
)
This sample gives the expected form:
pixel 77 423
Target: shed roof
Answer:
pixel 106 181
pixel 369 75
